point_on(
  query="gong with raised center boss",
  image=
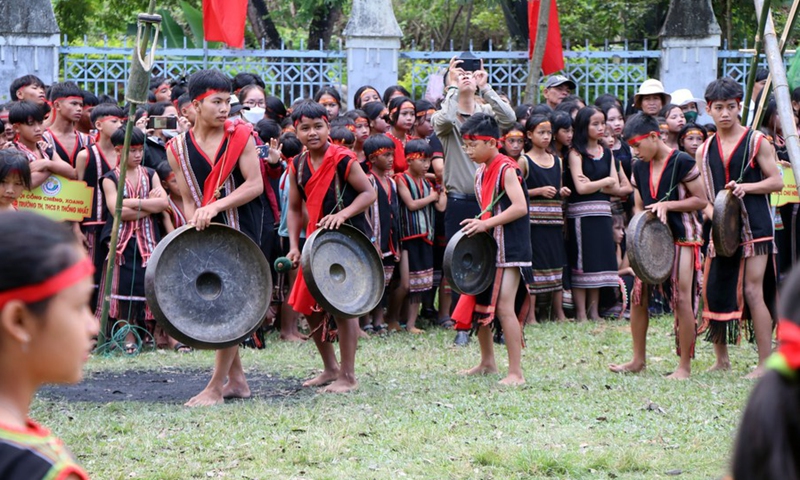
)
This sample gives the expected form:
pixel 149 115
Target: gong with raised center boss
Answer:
pixel 343 271
pixel 651 250
pixel 469 262
pixel 210 288
pixel 726 224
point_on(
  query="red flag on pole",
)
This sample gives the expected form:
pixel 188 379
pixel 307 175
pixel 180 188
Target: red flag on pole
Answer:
pixel 224 20
pixel 553 53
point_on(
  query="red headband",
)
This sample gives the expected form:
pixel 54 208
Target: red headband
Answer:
pixel 352 128
pixel 638 139
pixel 324 117
pixel 74 97
pixel 415 156
pixel 515 134
pixel 46 289
pixel 693 131
pixel 425 112
pixel 485 138
pixel 381 151
pixel 208 93
pixel 789 342
pixel 401 107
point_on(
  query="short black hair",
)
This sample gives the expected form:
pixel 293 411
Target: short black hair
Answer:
pixel 355 115
pixel 34 248
pixel 25 111
pixel 567 106
pixel 419 146
pixel 342 121
pixel 608 106
pixel 392 90
pixel 105 110
pixel 291 145
pixel 640 124
pixel 268 129
pixel 274 108
pixel 394 108
pixel 668 108
pixel 244 79
pixel 90 99
pixel 309 109
pixel 157 109
pixel 65 89
pixel 328 91
pixel 118 137
pixel 481 124
pixel 204 80
pixel 22 82
pixel 422 106
pixel 156 82
pixel 796 95
pixel 373 109
pixel 106 99
pixel 533 122
pixel 182 100
pixel 163 170
pixel 522 112
pixel 762 74
pixel 14 161
pixel 606 98
pixel 724 88
pixel 342 136
pixel 377 142
pixel 542 109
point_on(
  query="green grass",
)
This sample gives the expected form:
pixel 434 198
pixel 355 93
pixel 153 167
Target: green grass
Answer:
pixel 414 417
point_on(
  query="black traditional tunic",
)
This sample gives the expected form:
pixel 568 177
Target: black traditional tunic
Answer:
pixel 590 246
pixel 547 228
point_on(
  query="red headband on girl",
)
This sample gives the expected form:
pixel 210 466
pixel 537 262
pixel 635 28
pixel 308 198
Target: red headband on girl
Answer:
pixel 426 112
pixel 51 286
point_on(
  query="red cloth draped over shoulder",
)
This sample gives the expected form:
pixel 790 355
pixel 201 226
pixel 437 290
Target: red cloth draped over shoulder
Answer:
pixel 463 313
pixel 238 134
pixel 316 188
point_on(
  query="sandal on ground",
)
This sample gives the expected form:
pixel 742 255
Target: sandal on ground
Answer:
pixel 379 330
pixel 445 323
pixel 182 348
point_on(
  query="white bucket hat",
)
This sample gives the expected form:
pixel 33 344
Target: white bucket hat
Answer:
pixel 650 86
pixel 684 96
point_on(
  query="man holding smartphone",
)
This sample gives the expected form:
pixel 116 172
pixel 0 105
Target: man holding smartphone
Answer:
pixel 461 89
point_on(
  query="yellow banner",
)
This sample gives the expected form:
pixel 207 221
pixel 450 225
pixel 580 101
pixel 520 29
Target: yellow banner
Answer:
pixel 59 198
pixel 789 192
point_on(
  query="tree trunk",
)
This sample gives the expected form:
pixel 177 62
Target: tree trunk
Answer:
pixel 324 20
pixel 263 27
pixel 467 21
pixel 728 22
pixel 449 31
pixel 535 65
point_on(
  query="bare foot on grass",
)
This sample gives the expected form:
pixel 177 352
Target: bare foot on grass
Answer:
pixel 340 386
pixel 757 373
pixel 630 367
pixel 236 390
pixel 513 380
pixel 415 330
pixel 720 366
pixel 679 374
pixel 322 379
pixel 207 398
pixel 480 370
pixel 362 334
pixel 291 337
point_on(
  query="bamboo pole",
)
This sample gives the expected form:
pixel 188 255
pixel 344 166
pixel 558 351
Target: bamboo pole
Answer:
pixel 751 77
pixel 782 94
pixel 758 117
pixel 539 44
pixel 140 51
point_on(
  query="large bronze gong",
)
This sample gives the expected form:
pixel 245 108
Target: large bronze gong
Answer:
pixel 343 271
pixel 651 250
pixel 208 289
pixel 469 262
pixel 726 225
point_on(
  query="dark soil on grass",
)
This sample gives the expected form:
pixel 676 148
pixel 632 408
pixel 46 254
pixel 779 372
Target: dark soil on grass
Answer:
pixel 167 386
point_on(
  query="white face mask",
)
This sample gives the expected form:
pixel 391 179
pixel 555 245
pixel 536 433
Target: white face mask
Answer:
pixel 254 114
pixel 169 133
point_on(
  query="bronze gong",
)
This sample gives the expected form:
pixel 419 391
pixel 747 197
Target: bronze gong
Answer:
pixel 343 271
pixel 726 225
pixel 651 250
pixel 208 289
pixel 469 262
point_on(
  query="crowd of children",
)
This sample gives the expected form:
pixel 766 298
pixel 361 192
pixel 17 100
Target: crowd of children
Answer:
pixel 554 184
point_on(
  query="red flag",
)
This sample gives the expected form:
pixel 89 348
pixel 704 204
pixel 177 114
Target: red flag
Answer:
pixel 553 53
pixel 223 21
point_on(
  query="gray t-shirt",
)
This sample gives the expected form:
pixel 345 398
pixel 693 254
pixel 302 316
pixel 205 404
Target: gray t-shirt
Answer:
pixel 459 170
